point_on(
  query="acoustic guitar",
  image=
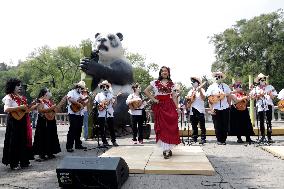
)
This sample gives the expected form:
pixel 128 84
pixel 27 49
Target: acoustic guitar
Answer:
pixel 216 98
pixel 51 115
pixel 280 105
pixel 135 104
pixel 242 105
pixel 76 108
pixel 18 115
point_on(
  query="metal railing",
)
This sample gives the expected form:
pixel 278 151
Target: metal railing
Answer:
pixel 62 118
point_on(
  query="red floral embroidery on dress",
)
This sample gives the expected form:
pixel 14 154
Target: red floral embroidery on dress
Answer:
pixel 47 102
pixel 239 95
pixel 19 100
pixel 164 88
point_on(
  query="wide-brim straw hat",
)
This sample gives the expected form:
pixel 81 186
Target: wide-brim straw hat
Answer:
pixel 105 82
pixel 197 79
pixel 219 73
pixel 81 84
pixel 260 76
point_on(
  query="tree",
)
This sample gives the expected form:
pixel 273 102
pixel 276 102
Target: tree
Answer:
pixel 252 46
pixel 141 69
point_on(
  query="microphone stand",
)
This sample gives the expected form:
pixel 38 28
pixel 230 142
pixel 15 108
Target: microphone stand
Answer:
pixel 181 125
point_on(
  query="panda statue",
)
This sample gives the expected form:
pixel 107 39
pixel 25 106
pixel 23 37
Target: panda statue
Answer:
pixel 108 62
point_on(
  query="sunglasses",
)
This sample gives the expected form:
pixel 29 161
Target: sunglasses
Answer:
pixel 104 86
pixel 238 86
pixel 218 77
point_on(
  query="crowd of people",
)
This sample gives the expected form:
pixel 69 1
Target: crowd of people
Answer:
pixel 228 106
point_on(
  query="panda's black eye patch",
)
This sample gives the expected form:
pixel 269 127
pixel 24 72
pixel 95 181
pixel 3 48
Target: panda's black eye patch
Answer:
pixel 113 41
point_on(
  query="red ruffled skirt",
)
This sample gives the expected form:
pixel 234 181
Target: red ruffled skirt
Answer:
pixel 166 120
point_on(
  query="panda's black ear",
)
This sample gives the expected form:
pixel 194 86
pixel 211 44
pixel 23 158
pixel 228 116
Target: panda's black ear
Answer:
pixel 120 36
pixel 97 34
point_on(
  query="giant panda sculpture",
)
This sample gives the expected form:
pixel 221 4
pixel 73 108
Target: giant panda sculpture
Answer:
pixel 108 62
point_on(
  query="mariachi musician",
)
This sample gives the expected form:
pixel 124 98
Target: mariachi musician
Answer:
pixel 105 101
pixel 75 113
pixel 264 94
pixel 218 95
pixel 240 123
pixel 195 104
pixel 46 142
pixel 17 149
pixel 136 105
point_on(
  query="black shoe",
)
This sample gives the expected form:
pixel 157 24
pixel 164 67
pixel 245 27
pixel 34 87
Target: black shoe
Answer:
pixel 16 167
pixel 250 141
pixel 240 140
pixel 219 143
pixel 166 154
pixel 170 153
pixel 263 139
pixel 270 140
pixel 115 144
pixel 193 140
pixel 70 150
pixel 81 147
pixel 106 144
pixel 50 156
pixel 202 141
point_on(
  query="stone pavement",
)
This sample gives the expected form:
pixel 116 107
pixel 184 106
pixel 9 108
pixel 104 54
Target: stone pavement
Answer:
pixel 236 166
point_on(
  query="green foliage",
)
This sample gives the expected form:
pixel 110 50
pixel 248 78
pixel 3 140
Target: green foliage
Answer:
pixel 252 46
pixel 141 69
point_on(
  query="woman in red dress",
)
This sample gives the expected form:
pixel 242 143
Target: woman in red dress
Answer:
pixel 165 111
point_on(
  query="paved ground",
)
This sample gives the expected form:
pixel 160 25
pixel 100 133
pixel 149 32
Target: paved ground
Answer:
pixel 236 166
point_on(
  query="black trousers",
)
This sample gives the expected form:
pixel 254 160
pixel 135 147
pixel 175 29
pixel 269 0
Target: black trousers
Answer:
pixel 196 118
pixel 221 122
pixel 75 130
pixel 137 120
pixel 261 117
pixel 103 125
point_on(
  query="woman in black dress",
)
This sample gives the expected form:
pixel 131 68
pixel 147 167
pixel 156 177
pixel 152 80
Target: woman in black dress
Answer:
pixel 46 142
pixel 240 123
pixel 17 144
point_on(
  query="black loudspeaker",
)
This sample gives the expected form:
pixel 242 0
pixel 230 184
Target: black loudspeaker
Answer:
pixel 146 131
pixel 92 172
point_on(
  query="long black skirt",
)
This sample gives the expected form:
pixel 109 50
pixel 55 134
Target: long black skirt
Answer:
pixel 240 123
pixel 15 149
pixel 46 140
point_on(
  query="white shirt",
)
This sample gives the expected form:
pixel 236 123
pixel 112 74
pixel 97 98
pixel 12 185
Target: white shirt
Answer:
pixel 8 102
pixel 136 97
pixel 216 89
pixel 198 103
pixel 263 102
pixel 75 96
pixel 109 109
pixel 281 95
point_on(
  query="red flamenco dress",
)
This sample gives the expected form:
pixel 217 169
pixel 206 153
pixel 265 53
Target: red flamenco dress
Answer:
pixel 165 115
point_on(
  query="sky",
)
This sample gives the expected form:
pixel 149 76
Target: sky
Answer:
pixel 174 33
